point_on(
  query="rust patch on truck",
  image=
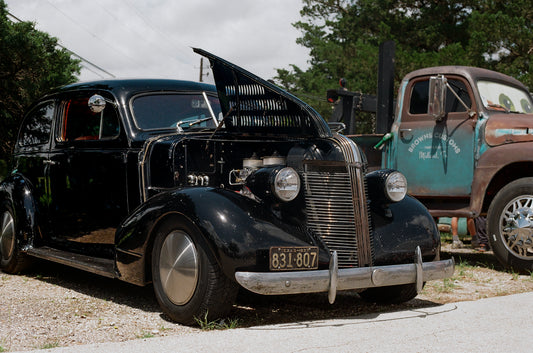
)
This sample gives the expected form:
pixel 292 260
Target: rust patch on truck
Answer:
pixel 503 129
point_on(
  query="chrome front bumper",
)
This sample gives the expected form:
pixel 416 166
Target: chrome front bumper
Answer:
pixel 275 283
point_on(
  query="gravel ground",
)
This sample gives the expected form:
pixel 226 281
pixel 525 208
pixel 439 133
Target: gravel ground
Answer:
pixel 54 305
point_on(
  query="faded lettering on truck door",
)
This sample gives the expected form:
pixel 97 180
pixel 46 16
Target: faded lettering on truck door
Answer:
pixel 436 156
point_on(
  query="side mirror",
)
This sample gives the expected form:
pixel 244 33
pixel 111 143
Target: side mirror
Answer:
pixel 96 103
pixel 437 97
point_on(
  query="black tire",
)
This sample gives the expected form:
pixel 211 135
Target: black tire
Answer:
pixel 12 260
pixel 390 295
pixel 190 285
pixel 510 225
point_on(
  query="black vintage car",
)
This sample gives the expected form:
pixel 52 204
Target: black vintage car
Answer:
pixel 202 190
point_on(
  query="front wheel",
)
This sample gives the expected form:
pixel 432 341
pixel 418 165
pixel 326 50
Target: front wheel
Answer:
pixel 510 225
pixel 188 282
pixel 12 260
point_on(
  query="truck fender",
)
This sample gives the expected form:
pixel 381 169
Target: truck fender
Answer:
pixel 16 194
pixel 237 231
pixel 493 163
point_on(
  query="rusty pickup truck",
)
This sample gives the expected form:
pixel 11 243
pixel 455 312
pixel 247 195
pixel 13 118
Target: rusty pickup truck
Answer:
pixel 463 137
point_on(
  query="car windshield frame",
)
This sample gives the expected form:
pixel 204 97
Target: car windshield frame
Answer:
pixel 497 96
pixel 175 110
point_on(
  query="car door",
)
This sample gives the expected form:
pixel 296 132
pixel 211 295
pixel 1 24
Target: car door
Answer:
pixel 437 157
pixel 88 176
pixel 31 153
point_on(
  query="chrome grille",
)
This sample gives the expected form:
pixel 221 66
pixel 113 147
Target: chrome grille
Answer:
pixel 330 212
pixel 336 205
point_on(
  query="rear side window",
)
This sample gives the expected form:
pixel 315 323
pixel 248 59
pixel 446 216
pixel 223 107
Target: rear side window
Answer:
pixel 79 123
pixel 420 98
pixel 36 130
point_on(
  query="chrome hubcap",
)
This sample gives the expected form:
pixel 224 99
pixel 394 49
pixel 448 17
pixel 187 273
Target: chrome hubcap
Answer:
pixel 178 267
pixel 7 236
pixel 516 227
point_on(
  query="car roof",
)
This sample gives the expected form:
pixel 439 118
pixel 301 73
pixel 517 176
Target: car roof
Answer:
pixel 127 87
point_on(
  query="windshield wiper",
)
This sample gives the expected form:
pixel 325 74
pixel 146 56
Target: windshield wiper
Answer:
pixel 193 122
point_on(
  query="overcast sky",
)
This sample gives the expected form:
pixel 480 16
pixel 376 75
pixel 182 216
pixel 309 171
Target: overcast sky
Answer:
pixel 153 38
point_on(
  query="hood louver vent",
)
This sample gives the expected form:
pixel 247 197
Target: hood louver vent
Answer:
pixel 253 105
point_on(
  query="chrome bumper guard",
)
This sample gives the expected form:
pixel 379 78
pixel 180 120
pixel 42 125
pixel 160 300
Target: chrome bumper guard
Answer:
pixel 275 283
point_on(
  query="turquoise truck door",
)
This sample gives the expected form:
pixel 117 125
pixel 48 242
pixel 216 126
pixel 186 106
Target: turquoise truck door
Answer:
pixel 437 157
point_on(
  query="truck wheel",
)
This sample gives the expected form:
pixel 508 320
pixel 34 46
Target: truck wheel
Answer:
pixel 188 282
pixel 510 225
pixel 12 260
pixel 390 295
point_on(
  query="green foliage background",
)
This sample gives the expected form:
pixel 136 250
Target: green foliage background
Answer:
pixel 30 65
pixel 343 37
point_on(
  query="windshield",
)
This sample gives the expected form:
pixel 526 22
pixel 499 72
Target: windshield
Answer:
pixel 498 96
pixel 156 111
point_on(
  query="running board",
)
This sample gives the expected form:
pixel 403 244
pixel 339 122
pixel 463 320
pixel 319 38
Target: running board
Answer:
pixel 99 266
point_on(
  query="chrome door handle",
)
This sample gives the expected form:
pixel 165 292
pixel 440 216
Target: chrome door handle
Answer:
pixel 404 132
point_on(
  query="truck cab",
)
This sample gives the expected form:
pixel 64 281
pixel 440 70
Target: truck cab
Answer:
pixel 463 137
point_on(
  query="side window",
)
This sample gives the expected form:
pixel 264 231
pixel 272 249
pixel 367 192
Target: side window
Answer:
pixel 452 103
pixel 420 91
pixel 419 98
pixel 37 126
pixel 79 123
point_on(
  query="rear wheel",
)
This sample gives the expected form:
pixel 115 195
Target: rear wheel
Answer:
pixel 390 295
pixel 510 225
pixel 12 260
pixel 188 281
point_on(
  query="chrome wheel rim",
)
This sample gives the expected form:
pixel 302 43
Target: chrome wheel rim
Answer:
pixel 516 227
pixel 178 267
pixel 7 236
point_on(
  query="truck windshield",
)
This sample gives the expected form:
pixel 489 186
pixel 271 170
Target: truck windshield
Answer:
pixel 501 97
pixel 161 110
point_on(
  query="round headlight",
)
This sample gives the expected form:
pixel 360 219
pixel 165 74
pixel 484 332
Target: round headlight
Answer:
pixel 396 186
pixel 286 184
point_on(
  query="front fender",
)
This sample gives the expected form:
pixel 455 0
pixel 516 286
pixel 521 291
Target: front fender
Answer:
pixel 16 194
pixel 399 228
pixel 237 231
pixel 491 163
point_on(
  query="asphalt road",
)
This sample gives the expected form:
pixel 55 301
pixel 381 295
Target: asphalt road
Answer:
pixel 500 324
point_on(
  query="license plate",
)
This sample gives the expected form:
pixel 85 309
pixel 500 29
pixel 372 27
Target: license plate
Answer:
pixel 293 258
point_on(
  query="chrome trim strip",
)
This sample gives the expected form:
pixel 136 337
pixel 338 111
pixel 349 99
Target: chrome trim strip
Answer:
pixel 419 270
pixel 354 165
pixel 333 277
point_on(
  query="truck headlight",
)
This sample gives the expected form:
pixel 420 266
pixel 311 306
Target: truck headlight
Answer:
pixel 396 186
pixel 286 184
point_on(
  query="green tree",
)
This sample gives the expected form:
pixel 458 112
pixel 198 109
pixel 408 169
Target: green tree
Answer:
pixel 30 65
pixel 343 37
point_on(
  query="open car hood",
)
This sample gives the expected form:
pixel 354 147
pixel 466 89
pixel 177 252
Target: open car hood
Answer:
pixel 254 106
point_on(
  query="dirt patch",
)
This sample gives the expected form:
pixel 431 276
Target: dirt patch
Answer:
pixel 54 305
pixel 477 275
